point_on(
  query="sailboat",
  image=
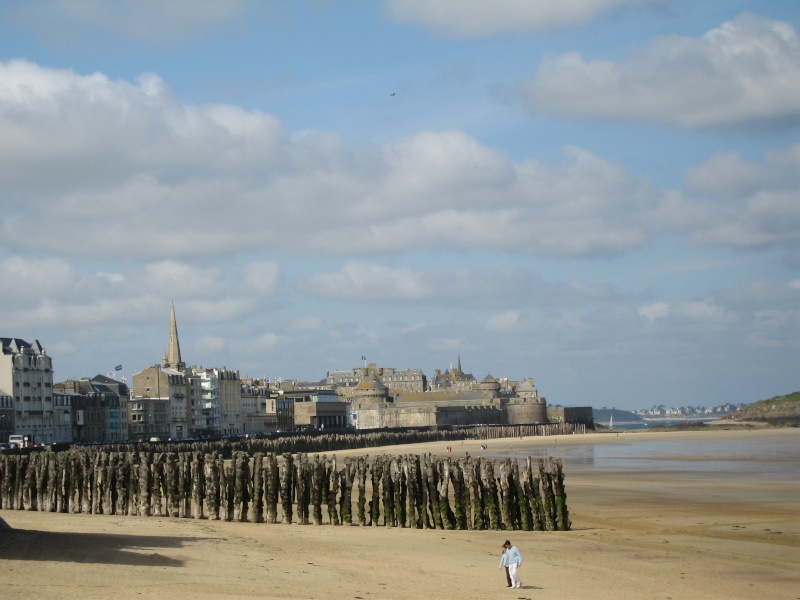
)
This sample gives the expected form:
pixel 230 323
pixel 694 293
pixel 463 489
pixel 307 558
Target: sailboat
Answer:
pixel 611 422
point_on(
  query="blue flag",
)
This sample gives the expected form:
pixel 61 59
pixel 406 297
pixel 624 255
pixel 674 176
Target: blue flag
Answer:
pixel 118 368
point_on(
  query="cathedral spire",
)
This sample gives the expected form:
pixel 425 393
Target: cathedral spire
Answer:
pixel 173 358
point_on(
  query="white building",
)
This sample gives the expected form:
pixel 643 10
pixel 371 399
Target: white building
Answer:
pixel 26 375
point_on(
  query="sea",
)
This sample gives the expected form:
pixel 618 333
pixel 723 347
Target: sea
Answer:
pixel 773 457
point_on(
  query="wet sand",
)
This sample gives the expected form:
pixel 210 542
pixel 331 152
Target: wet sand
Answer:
pixel 637 534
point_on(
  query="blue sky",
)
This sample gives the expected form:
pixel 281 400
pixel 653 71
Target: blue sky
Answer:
pixel 600 194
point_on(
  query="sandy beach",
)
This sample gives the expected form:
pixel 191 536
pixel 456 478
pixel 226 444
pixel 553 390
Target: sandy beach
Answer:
pixel 638 533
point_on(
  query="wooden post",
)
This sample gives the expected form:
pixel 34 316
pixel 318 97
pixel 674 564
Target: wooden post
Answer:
pixel 171 485
pixel 489 493
pixel 547 497
pixel 560 494
pixel 389 519
pixel 197 478
pixel 211 476
pixel 346 483
pixel 143 499
pixel 435 519
pixel 257 504
pixel 460 498
pixel 317 478
pixel 333 484
pixel 376 476
pixel 302 483
pixel 400 488
pixel 287 482
pixel 448 518
pixel 273 486
pixel 361 477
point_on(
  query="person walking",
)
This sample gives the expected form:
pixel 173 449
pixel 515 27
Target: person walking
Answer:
pixel 504 564
pixel 514 559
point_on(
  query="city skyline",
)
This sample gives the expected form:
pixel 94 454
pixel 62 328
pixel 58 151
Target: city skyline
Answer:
pixel 599 195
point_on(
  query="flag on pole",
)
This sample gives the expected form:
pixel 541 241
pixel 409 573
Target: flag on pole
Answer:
pixel 364 357
pixel 111 375
pixel 118 368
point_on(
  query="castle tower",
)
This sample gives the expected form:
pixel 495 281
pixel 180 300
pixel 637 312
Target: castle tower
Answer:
pixel 172 358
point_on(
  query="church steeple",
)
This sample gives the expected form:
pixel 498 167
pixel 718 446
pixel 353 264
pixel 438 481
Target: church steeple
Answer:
pixel 172 359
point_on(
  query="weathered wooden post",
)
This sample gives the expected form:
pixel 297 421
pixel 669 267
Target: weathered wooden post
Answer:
pixel 547 498
pixel 489 493
pixel 240 479
pixel 257 504
pixel 522 496
pixel 273 486
pixel 197 479
pixel 376 474
pixel 560 494
pixel 433 493
pixel 211 475
pixel 62 482
pixel 505 495
pixel 389 518
pixel 412 491
pixel 400 491
pixel 50 499
pixel 317 478
pixel 143 499
pixel 460 498
pixel 171 484
pixel 157 484
pixel 41 480
pixel 333 484
pixel 227 489
pixel 183 499
pixel 287 484
pixel 448 518
pixel 133 483
pixel 302 485
pixel 361 478
pixel 121 483
pixel 346 483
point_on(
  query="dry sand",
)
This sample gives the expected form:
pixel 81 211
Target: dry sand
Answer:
pixel 636 535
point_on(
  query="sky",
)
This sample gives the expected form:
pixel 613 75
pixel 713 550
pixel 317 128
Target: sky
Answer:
pixel 603 195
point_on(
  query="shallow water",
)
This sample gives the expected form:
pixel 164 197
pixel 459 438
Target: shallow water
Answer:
pixel 773 458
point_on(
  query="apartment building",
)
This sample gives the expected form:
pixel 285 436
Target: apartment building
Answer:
pixel 26 376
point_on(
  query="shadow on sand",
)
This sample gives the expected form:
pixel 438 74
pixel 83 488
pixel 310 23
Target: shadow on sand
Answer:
pixel 99 548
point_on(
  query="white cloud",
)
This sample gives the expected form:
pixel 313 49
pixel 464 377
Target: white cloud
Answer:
pixel 261 277
pixel 163 181
pixel 53 293
pixel 654 311
pixel 745 71
pixel 309 323
pixel 478 18
pixel 268 341
pixel 742 203
pixel 179 280
pixel 209 344
pixel 503 321
pixel 368 282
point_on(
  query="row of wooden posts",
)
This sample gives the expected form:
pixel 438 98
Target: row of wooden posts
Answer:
pixel 331 442
pixel 397 491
